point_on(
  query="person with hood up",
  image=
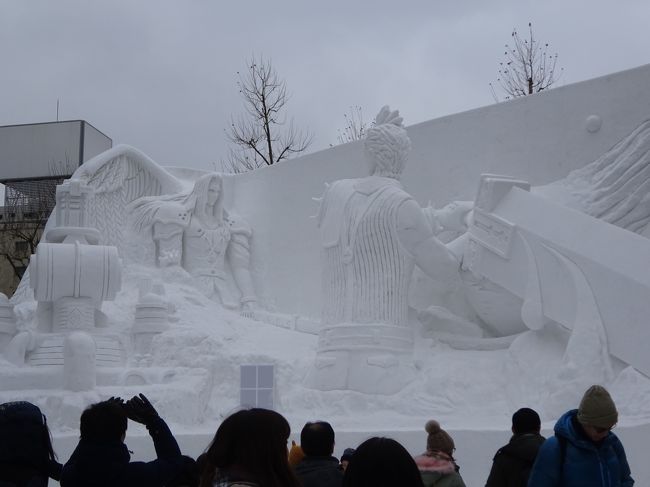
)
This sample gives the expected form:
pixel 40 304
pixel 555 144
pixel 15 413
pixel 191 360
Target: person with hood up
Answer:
pixel 101 458
pixel 584 452
pixel 512 463
pixel 437 465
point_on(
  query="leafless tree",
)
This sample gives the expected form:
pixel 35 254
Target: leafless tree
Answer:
pixel 527 68
pixel 27 207
pixel 263 136
pixel 355 127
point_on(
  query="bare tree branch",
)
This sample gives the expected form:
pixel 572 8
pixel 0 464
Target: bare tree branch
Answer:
pixel 27 207
pixel 258 138
pixel 355 127
pixel 527 68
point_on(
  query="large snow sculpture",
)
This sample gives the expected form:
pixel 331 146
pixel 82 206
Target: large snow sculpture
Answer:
pixel 373 233
pixel 193 229
pixel 71 274
pixel 614 188
pixel 188 225
pixel 71 270
pixel 569 269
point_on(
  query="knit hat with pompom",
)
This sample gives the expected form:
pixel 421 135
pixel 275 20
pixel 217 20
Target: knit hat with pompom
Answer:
pixel 438 438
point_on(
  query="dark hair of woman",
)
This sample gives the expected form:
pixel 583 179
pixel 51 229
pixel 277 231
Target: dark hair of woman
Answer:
pixel 25 444
pixel 250 445
pixel 381 462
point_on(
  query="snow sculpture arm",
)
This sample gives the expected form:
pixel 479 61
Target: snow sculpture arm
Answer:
pixel 239 257
pixel 430 255
pixel 118 177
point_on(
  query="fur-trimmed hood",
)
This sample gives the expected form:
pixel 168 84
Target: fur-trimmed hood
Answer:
pixel 435 462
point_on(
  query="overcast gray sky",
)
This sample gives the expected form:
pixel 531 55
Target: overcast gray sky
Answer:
pixel 161 75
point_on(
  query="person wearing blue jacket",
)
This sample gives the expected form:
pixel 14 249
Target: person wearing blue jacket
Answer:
pixel 101 458
pixel 584 452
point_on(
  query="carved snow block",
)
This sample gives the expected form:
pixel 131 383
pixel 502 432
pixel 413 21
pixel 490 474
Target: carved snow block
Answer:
pixel 76 278
pixel 493 188
pixel 488 230
pixel 7 322
pixel 373 358
pixel 151 318
pixel 109 351
pixel 75 270
pixel 79 352
pixel 72 199
pixel 71 314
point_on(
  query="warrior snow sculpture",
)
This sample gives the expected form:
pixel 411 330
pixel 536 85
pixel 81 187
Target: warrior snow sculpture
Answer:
pixel 193 230
pixel 373 234
pixel 189 228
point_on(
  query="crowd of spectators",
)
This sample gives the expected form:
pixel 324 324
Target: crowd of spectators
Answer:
pixel 249 449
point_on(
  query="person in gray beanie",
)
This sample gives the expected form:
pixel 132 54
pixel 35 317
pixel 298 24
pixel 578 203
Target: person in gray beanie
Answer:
pixel 584 451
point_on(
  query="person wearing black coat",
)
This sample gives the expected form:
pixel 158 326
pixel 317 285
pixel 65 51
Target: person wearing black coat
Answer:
pixel 27 458
pixel 101 458
pixel 513 462
pixel 318 468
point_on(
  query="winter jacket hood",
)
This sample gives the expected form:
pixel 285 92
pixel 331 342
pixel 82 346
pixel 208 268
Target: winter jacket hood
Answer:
pixel 435 463
pixel 566 427
pixel 437 468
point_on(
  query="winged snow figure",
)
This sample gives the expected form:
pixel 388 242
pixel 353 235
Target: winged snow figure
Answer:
pixel 187 223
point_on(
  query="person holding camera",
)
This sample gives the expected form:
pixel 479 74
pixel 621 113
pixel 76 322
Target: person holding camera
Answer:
pixel 101 457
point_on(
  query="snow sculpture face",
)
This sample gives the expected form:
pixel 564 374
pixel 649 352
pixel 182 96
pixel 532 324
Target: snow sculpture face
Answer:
pixel 386 148
pixel 214 190
pixel 207 196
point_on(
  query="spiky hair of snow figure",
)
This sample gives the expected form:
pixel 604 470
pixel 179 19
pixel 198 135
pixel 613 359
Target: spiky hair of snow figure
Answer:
pixel 387 145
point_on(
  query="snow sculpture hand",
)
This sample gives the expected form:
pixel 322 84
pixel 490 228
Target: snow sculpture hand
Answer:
pixel 140 410
pixel 248 309
pixel 452 217
pixel 455 216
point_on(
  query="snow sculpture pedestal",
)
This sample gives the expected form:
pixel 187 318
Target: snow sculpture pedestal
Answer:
pixel 370 358
pixel 151 319
pixel 79 353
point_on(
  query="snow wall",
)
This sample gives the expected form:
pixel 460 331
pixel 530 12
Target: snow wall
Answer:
pixel 539 138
